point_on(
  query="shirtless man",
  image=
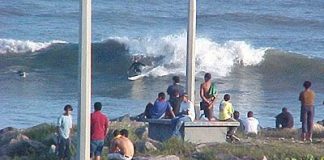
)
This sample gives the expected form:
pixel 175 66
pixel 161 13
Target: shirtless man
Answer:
pixel 207 101
pixel 126 149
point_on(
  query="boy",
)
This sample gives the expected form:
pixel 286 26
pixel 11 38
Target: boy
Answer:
pixel 64 129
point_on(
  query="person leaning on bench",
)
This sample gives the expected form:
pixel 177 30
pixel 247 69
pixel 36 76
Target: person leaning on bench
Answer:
pixel 226 114
pixel 159 109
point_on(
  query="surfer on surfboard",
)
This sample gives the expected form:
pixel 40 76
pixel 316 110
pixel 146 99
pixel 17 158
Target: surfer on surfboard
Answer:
pixel 136 67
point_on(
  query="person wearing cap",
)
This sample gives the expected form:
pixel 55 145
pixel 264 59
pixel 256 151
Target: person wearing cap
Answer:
pixel 64 129
pixel 186 114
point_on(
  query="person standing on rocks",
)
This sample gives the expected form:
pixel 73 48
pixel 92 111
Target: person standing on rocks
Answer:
pixel 64 129
pixel 99 131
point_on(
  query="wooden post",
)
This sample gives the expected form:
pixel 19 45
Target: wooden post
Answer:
pixel 191 57
pixel 83 152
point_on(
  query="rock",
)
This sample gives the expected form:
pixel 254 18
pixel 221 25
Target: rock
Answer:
pixel 52 149
pixel 21 146
pixel 156 143
pixel 142 132
pixel 124 118
pixel 143 146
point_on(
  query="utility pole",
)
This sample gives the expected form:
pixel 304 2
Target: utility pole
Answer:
pixel 191 55
pixel 83 152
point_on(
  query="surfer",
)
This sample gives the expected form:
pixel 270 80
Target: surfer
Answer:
pixel 22 74
pixel 136 67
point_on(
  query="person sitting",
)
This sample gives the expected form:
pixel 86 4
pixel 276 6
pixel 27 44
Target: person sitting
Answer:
pixel 186 114
pixel 159 109
pixel 251 124
pixel 136 67
pixel 236 115
pixel 116 135
pixel 225 114
pixel 125 147
pixel 284 119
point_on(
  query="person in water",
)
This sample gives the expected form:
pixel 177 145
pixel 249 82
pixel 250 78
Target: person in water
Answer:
pixel 136 67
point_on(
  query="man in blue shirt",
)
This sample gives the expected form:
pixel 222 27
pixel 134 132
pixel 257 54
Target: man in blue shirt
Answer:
pixel 160 107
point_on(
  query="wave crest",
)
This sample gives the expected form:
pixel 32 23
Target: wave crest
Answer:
pixel 8 46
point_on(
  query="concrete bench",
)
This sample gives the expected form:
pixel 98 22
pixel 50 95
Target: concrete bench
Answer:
pixel 195 132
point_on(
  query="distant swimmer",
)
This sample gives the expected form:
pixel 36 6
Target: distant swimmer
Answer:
pixel 22 74
pixel 136 67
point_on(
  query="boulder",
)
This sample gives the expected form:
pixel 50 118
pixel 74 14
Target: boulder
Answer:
pixel 141 132
pixel 143 146
pixel 21 145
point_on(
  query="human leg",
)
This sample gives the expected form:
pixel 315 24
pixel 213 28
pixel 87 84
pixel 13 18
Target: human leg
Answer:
pixel 303 119
pixel 310 119
pixel 178 124
pixel 62 152
pixel 210 112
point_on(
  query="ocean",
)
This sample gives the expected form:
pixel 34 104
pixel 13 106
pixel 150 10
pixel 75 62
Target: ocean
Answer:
pixel 259 52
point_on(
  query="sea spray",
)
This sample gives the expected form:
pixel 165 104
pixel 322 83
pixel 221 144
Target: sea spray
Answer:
pixel 211 56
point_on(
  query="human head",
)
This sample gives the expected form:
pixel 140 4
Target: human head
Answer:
pixel 161 95
pixel 184 97
pixel 207 76
pixel 236 114
pixel 97 106
pixel 284 109
pixel 176 79
pixel 227 97
pixel 124 132
pixel 116 133
pixel 68 108
pixel 250 114
pixel 307 84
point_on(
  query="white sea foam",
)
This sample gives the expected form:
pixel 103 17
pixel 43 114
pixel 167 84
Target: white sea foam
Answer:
pixel 18 46
pixel 210 56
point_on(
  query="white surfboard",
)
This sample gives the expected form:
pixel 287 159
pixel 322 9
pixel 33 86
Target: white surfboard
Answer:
pixel 133 78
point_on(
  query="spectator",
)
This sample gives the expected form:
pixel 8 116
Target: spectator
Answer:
pixel 175 91
pixel 208 94
pixel 251 124
pixel 186 114
pixel 159 109
pixel 307 98
pixel 237 117
pixel 226 114
pixel 99 131
pixel 284 119
pixel 125 146
pixel 64 129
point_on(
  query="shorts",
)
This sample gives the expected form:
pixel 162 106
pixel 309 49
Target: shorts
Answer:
pixel 63 147
pixel 96 147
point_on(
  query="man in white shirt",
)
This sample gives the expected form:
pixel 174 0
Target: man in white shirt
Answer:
pixel 186 114
pixel 251 124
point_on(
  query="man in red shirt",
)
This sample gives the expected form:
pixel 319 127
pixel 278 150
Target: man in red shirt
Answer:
pixel 99 130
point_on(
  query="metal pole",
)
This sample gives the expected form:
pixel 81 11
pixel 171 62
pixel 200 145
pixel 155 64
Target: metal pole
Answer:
pixel 83 152
pixel 191 56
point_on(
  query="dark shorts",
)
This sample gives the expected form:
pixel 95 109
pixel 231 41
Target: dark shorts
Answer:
pixel 96 147
pixel 63 147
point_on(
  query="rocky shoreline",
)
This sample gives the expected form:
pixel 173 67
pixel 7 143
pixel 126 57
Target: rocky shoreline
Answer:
pixel 38 143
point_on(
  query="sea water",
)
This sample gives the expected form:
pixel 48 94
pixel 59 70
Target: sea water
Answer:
pixel 260 52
